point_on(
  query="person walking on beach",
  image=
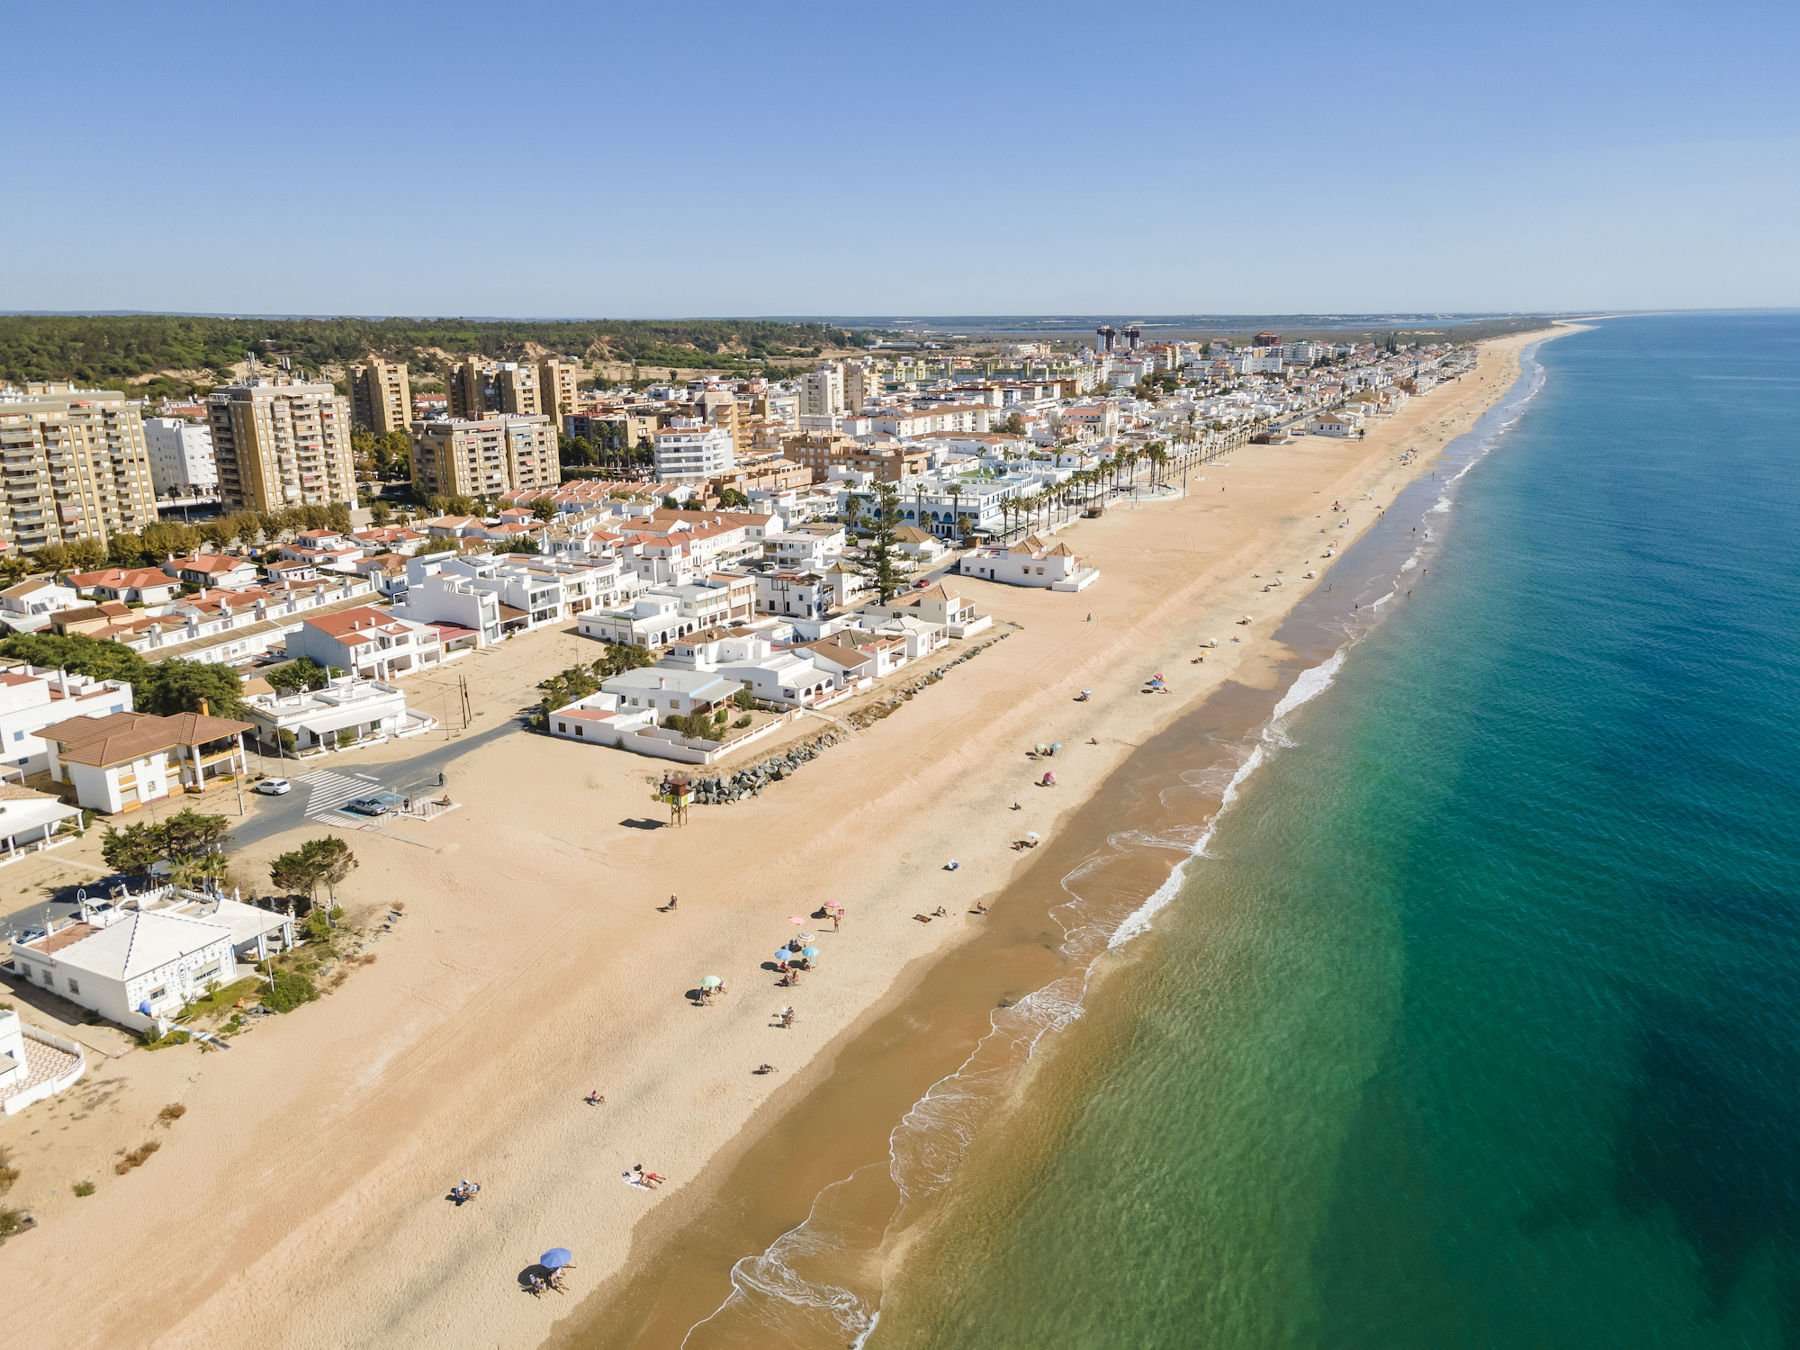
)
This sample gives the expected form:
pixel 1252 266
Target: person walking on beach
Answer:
pixel 837 918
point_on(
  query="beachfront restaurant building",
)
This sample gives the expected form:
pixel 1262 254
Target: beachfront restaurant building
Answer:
pixel 139 963
pixel 348 711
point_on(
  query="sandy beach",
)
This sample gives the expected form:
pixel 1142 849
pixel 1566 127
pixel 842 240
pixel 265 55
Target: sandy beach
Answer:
pixel 299 1201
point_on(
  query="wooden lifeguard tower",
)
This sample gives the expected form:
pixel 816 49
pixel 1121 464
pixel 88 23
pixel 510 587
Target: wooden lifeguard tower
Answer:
pixel 678 791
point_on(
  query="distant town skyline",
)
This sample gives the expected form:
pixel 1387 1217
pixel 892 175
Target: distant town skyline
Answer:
pixel 412 159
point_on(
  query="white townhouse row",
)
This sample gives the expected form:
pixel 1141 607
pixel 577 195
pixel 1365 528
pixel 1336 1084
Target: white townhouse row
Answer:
pixel 231 626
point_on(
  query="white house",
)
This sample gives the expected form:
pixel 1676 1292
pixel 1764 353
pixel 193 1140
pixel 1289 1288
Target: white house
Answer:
pixel 122 760
pixel 781 679
pixel 1335 424
pixel 348 711
pixel 373 643
pixel 31 699
pixel 936 605
pixel 807 594
pixel 28 606
pixel 1030 563
pixel 140 962
pixel 670 693
pixel 213 569
pixel 133 585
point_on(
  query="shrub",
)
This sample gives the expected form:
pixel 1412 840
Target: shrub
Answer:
pixel 174 1037
pixel 171 1113
pixel 137 1157
pixel 8 1173
pixel 289 991
pixel 11 1221
pixel 742 722
pixel 83 1189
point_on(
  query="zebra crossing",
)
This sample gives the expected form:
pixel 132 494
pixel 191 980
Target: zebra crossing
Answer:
pixel 327 790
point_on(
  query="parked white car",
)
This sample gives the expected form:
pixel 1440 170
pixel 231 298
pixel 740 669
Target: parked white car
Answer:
pixel 274 787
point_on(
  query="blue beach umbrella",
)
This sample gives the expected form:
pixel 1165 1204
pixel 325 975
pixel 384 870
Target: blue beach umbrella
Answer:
pixel 556 1258
pixel 784 955
pixel 811 953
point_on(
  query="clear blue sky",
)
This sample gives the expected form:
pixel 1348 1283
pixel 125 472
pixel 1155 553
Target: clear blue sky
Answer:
pixel 746 158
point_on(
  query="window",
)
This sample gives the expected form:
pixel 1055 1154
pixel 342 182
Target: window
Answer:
pixel 74 985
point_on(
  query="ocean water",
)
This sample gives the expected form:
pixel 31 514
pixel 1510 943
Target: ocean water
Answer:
pixel 1478 1022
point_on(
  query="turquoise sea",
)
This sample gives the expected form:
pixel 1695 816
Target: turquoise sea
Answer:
pixel 1478 1022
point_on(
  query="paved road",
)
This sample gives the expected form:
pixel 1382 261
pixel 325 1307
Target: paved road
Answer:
pixel 319 794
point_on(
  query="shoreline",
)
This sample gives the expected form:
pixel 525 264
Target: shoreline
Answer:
pixel 1227 721
pixel 533 966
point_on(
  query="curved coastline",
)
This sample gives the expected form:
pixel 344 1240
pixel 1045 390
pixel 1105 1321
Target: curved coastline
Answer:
pixel 1174 789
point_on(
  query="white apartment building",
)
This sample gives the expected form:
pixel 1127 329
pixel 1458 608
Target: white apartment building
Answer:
pixel 689 448
pixel 822 392
pixel 662 614
pixel 32 699
pixel 375 644
pixel 182 462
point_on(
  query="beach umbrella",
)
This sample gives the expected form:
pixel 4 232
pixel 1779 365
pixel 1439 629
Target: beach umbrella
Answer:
pixel 1032 835
pixel 556 1258
pixel 805 938
pixel 811 953
pixel 784 955
pixel 710 982
pixel 796 918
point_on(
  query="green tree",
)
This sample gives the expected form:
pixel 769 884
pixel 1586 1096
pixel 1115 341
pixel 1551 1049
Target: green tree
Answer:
pixel 732 499
pixel 544 509
pixel 878 559
pixel 94 657
pixel 303 673
pixel 182 686
pixel 133 850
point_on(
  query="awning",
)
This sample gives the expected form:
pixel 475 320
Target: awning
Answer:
pixel 322 723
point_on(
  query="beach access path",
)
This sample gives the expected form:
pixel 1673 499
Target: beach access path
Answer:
pixel 300 1200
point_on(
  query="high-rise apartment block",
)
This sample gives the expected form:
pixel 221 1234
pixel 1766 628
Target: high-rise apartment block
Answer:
pixel 558 381
pixel 281 445
pixel 468 388
pixel 73 465
pixel 485 457
pixel 822 392
pixel 862 385
pixel 380 397
pixel 182 462
pixel 516 390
